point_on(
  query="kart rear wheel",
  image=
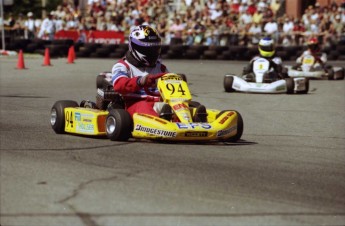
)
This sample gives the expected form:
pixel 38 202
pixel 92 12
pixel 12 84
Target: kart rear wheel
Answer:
pixel 239 126
pixel 88 104
pixel 57 115
pixel 119 125
pixel 290 85
pixel 228 81
pixel 100 81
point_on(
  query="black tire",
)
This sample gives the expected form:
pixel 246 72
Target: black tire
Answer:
pixel 306 87
pixel 183 76
pixel 88 104
pixel 239 126
pixel 342 78
pixel 119 125
pixel 290 85
pixel 100 81
pixel 330 73
pixel 194 104
pixel 228 81
pixel 57 115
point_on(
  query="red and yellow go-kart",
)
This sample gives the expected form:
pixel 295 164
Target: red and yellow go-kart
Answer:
pixel 109 117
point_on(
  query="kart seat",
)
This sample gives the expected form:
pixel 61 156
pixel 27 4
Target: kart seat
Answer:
pixel 106 96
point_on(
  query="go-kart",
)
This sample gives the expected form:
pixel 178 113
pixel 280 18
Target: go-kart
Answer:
pixel 311 68
pixel 264 80
pixel 108 117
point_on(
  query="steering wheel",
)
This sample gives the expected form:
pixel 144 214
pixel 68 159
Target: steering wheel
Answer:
pixel 149 92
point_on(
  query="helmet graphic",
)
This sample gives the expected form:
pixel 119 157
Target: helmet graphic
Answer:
pixel 145 44
pixel 313 45
pixel 266 47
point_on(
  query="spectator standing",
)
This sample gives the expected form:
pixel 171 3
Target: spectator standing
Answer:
pixel 71 23
pixel 60 24
pixel 287 30
pixel 298 32
pixel 255 32
pixel 47 30
pixel 251 8
pixel 30 28
pixel 257 17
pixel 271 28
pixel 176 30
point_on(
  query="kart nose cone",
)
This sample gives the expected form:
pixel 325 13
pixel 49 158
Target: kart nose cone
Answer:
pixel 110 125
pixel 53 116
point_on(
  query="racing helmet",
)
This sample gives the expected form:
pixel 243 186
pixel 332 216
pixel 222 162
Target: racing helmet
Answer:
pixel 145 45
pixel 313 45
pixel 266 47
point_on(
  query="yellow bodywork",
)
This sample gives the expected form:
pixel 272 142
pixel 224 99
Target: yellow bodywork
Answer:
pixel 86 121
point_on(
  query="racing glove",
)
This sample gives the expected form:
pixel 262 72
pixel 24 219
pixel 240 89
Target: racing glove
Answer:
pixel 149 79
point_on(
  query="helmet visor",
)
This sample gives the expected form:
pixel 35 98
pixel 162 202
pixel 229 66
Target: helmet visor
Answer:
pixel 148 52
pixel 268 48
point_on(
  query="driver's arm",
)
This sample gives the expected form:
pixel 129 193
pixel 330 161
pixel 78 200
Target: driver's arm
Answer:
pixel 276 63
pixel 249 68
pixel 121 80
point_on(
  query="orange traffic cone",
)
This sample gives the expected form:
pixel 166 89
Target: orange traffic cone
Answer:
pixel 46 61
pixel 20 64
pixel 71 55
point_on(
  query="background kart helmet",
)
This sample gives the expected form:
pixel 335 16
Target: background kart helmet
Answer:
pixel 145 45
pixel 266 47
pixel 313 45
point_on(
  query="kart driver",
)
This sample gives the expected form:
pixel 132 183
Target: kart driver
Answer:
pixel 267 50
pixel 140 68
pixel 314 50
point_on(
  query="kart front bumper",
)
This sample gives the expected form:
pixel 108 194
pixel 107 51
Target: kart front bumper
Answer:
pixel 149 127
pixel 275 87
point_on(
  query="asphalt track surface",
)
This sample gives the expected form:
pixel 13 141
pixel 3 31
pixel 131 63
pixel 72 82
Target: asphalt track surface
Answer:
pixel 288 168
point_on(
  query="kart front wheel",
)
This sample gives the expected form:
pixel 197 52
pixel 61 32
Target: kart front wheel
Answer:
pixel 239 126
pixel 306 81
pixel 330 73
pixel 290 85
pixel 57 114
pixel 228 81
pixel 119 125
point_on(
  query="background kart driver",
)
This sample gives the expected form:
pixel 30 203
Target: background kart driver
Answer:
pixel 314 50
pixel 140 68
pixel 266 50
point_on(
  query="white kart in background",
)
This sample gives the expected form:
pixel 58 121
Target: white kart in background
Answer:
pixel 309 68
pixel 262 80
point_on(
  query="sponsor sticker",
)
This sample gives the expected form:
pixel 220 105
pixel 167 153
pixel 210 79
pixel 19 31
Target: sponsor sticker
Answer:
pixel 180 106
pixel 85 128
pixel 171 77
pixel 226 118
pixel 224 132
pixel 77 116
pixel 196 134
pixel 193 125
pixel 280 88
pixel 156 132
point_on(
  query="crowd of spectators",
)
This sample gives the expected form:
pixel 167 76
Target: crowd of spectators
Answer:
pixel 191 22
